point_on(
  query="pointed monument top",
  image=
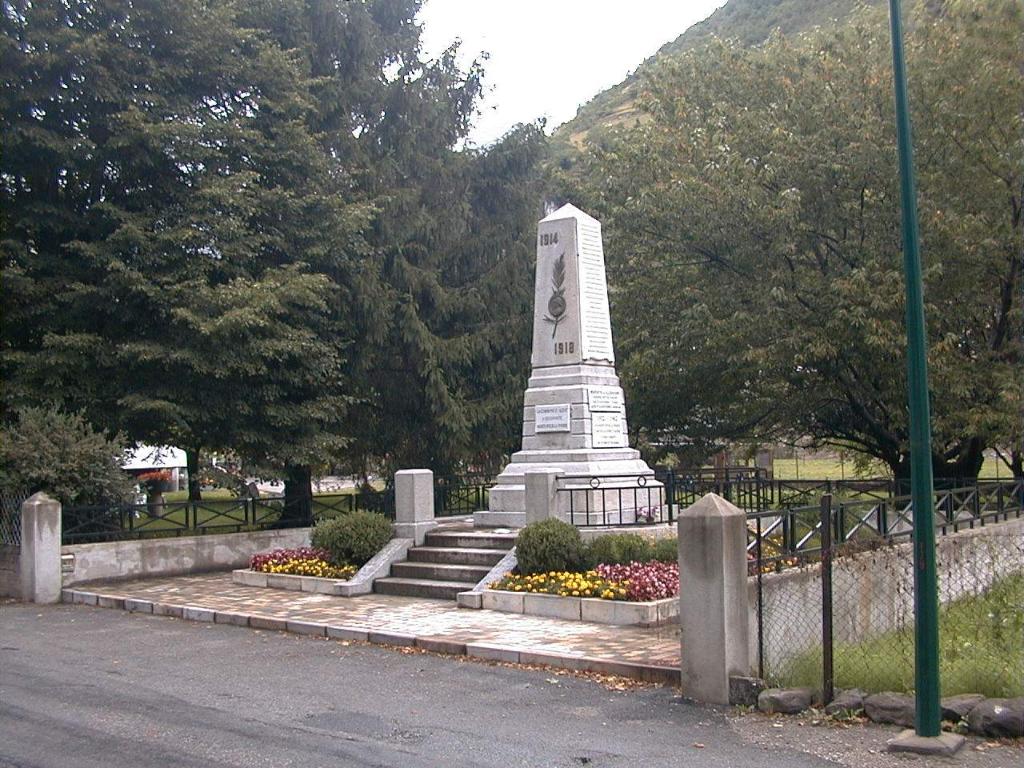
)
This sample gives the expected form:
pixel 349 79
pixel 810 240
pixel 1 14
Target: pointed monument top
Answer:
pixel 712 505
pixel 568 211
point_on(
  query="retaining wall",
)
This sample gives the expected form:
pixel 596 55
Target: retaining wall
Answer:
pixel 873 592
pixel 173 556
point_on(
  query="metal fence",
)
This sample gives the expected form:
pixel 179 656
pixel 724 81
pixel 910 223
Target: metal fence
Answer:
pixel 10 517
pixel 834 592
pixel 750 488
pixel 115 522
pixel 461 495
pixel 614 500
pixel 118 522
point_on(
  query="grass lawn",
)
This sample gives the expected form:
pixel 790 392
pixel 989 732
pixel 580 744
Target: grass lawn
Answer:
pixel 834 469
pixel 980 650
pixel 220 509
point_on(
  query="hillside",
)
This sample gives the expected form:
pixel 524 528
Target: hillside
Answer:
pixel 749 21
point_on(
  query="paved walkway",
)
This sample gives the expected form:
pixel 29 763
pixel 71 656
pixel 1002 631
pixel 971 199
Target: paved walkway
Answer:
pixel 436 625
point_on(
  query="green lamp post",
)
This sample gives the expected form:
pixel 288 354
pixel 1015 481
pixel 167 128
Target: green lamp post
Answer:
pixel 926 603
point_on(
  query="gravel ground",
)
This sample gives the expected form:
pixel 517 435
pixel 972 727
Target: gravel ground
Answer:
pixel 860 744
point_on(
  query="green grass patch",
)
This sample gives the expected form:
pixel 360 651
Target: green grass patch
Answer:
pixel 980 650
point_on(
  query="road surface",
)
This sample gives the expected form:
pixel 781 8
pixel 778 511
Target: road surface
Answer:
pixel 83 687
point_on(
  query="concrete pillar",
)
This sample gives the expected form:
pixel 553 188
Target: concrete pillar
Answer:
pixel 713 598
pixel 414 504
pixel 40 550
pixel 541 494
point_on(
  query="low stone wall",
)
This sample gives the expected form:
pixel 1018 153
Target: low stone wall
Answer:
pixel 10 577
pixel 592 609
pixel 174 556
pixel 873 592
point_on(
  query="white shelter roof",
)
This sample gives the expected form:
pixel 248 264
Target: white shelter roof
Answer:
pixel 154 457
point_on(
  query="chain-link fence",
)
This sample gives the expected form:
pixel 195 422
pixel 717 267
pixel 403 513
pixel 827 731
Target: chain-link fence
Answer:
pixel 10 517
pixel 845 617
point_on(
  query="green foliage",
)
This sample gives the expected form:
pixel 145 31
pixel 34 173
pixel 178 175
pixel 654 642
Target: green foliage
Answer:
pixel 748 22
pixel 45 449
pixel 618 548
pixel 278 252
pixel 352 539
pixel 665 550
pixel 549 545
pixel 754 238
pixel 979 650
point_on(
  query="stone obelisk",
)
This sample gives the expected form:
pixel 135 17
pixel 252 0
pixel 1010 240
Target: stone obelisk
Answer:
pixel 574 414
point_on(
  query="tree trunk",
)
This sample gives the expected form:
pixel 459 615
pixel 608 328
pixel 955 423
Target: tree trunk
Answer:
pixel 963 470
pixel 298 496
pixel 1017 464
pixel 195 490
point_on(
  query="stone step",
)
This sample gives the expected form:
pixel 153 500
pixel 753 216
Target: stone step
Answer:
pixel 456 555
pixel 440 571
pixel 471 539
pixel 439 590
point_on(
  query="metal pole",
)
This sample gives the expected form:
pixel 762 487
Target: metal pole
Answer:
pixel 827 671
pixel 926 625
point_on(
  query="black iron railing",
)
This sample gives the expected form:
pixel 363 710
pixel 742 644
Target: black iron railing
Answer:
pixel 454 495
pixel 780 537
pixel 614 500
pixel 461 495
pixel 117 522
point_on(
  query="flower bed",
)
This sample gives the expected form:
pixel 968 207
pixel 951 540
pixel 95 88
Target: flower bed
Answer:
pixel 634 582
pixel 643 594
pixel 308 569
pixel 304 561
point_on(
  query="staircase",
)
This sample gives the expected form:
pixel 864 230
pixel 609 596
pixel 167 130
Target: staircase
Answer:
pixel 449 562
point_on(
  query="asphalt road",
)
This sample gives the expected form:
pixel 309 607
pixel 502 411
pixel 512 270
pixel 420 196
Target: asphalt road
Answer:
pixel 83 687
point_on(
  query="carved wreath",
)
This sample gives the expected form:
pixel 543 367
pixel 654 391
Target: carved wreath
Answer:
pixel 556 304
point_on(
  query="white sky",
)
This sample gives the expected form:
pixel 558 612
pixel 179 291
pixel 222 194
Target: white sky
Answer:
pixel 549 56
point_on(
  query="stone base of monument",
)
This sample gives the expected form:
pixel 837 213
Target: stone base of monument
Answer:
pixel 597 487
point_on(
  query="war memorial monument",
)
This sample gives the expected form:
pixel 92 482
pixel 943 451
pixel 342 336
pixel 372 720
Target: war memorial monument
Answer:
pixel 574 414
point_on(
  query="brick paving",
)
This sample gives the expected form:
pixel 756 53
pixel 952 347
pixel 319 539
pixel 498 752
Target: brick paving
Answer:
pixel 644 653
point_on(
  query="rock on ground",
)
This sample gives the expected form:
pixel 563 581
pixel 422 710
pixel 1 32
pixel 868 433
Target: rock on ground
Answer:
pixel 851 700
pixel 889 707
pixel 786 701
pixel 998 717
pixel 955 708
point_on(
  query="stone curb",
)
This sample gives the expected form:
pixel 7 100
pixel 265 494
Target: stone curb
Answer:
pixel 649 673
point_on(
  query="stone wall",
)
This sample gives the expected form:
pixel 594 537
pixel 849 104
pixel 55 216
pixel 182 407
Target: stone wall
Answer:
pixel 873 592
pixel 10 579
pixel 174 556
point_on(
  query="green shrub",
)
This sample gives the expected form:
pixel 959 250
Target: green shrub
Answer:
pixel 352 539
pixel 666 550
pixel 46 449
pixel 618 549
pixel 549 545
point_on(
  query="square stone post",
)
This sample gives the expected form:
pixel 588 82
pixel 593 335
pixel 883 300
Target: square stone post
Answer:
pixel 414 504
pixel 713 598
pixel 40 550
pixel 541 494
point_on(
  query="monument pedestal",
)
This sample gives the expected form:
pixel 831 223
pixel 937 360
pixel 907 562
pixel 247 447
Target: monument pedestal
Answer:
pixel 574 415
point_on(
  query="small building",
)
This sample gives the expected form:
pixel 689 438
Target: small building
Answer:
pixel 144 459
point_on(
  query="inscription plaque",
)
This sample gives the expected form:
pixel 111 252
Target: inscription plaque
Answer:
pixel 551 418
pixel 605 399
pixel 607 430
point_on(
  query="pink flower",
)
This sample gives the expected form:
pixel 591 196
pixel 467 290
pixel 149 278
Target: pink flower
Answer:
pixel 644 581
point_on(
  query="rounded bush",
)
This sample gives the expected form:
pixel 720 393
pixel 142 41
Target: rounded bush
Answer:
pixel 666 550
pixel 549 545
pixel 352 539
pixel 619 549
